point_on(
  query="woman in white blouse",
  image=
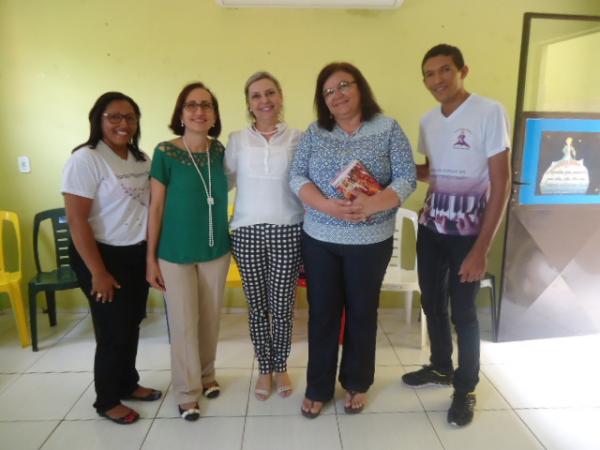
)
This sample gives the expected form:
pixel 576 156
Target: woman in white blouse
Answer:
pixel 265 228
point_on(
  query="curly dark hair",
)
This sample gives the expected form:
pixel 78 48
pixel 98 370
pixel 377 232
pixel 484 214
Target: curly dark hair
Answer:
pixel 95 118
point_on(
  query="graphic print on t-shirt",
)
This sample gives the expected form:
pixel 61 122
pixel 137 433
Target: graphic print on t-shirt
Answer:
pixel 454 213
pixel 458 148
pixel 135 186
pixel 461 139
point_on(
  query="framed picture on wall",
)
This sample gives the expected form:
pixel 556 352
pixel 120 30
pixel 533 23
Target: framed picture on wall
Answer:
pixel 560 159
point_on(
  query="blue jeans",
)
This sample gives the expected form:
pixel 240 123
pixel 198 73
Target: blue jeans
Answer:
pixel 439 258
pixel 342 277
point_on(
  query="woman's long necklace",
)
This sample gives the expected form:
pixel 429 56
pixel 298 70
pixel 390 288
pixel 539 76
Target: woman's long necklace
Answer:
pixel 207 188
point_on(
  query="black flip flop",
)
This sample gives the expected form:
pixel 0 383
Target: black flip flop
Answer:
pixel 350 409
pixel 309 414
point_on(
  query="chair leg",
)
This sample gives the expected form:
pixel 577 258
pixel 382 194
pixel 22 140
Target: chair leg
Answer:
pixel 408 305
pixel 18 307
pixel 33 318
pixel 424 336
pixel 51 302
pixel 494 308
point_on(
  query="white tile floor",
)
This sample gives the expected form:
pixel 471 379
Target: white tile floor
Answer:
pixel 535 394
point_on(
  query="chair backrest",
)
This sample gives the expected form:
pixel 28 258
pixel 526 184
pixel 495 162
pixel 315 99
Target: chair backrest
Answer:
pixel 61 236
pixel 401 216
pixel 12 218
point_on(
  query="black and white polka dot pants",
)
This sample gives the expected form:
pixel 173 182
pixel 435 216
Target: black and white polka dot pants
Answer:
pixel 268 257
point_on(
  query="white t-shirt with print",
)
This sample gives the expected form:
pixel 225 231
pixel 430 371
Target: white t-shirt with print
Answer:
pixel 120 190
pixel 458 148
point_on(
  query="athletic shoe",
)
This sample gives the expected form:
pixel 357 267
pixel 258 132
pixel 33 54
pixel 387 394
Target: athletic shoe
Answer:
pixel 461 409
pixel 427 375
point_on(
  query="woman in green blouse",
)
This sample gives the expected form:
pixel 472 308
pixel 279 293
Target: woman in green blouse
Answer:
pixel 188 242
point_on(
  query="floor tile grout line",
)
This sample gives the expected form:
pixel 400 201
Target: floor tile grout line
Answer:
pixel 78 398
pixel 337 422
pixel 162 401
pixel 439 438
pixel 500 394
pixel 50 434
pixel 11 382
pixel 39 357
pixel 247 406
pixel 528 427
pixel 61 421
pixel 58 341
pixel 430 414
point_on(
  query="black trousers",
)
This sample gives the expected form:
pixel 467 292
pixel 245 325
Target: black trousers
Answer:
pixel 116 324
pixel 342 276
pixel 439 258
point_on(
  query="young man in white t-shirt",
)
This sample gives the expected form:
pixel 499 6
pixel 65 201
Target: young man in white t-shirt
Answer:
pixel 467 166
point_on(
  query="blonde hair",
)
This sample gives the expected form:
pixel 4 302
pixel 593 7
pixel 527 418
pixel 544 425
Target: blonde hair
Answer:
pixel 260 75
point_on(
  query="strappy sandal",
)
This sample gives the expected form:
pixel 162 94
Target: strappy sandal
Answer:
pixel 284 390
pixel 190 414
pixel 129 418
pixel 212 391
pixel 262 394
pixel 349 409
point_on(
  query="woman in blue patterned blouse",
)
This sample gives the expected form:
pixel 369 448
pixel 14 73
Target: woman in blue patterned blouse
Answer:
pixel 347 244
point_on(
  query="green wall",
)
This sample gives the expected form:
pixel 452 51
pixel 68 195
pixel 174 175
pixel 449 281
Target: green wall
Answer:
pixel 57 57
pixel 561 74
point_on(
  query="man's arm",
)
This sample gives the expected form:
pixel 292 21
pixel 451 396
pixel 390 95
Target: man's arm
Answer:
pixel 423 171
pixel 474 266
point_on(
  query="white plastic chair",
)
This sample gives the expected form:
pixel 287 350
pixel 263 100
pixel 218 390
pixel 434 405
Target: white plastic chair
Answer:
pixel 399 279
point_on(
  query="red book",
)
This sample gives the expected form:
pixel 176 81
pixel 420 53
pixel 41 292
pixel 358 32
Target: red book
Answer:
pixel 355 176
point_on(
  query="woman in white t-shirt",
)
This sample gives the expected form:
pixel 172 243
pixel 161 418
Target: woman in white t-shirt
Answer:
pixel 106 190
pixel 265 228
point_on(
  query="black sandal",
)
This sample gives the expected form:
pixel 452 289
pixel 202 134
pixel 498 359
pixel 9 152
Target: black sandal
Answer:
pixel 190 414
pixel 212 391
pixel 309 414
pixel 350 409
pixel 152 396
pixel 129 418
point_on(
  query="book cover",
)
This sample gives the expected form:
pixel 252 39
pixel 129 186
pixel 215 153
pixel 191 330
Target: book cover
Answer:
pixel 355 176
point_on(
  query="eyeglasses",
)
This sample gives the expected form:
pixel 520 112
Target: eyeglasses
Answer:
pixel 193 106
pixel 343 87
pixel 115 118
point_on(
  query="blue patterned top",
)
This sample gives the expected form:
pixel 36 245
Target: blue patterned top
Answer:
pixel 380 144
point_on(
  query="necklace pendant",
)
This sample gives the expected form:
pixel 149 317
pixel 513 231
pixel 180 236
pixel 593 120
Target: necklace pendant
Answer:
pixel 210 200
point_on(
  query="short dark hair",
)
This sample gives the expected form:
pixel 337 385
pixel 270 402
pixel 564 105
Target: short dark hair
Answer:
pixel 445 50
pixel 95 118
pixel 368 105
pixel 176 124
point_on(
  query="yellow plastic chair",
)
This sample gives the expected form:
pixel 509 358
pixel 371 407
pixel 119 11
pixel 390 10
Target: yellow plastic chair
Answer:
pixel 234 280
pixel 10 282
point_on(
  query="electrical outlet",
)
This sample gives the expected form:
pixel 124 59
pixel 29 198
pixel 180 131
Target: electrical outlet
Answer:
pixel 24 164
